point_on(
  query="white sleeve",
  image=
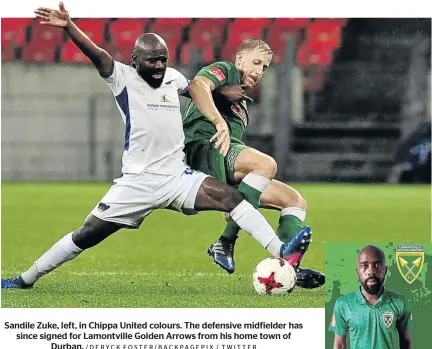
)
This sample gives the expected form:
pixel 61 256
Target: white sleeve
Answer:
pixel 182 83
pixel 117 80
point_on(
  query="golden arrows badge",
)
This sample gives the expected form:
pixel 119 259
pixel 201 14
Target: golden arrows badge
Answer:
pixel 410 260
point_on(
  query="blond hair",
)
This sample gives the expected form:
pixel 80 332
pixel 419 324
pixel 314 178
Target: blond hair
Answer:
pixel 250 44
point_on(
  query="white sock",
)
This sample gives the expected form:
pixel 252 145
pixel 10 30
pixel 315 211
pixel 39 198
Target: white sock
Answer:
pixel 256 181
pixel 274 247
pixel 252 221
pixel 62 251
pixel 298 212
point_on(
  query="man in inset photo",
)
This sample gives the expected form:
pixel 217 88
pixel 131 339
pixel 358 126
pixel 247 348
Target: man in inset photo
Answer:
pixel 372 316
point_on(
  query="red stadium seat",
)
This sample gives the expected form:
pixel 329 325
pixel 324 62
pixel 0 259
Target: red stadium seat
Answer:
pixel 277 38
pixel 202 36
pixel 170 29
pixel 324 34
pixel 277 41
pixel 241 30
pixel 248 24
pixel 173 40
pixel 211 23
pixel 172 37
pixel 290 23
pixel 173 44
pixel 70 53
pixel 123 54
pixel 339 21
pixel 228 53
pixel 208 30
pixel 236 37
pixel 46 36
pixel 13 30
pixel 309 55
pixel 170 23
pixel 94 28
pixel 34 53
pixel 325 40
pixel 124 31
pixel 205 50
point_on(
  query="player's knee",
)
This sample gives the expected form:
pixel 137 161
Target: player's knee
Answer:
pixel 271 167
pixel 290 198
pixel 80 236
pixel 267 167
pixel 91 233
pixel 300 201
pixel 84 234
pixel 296 200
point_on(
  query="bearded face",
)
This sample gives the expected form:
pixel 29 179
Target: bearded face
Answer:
pixel 371 273
pixel 151 66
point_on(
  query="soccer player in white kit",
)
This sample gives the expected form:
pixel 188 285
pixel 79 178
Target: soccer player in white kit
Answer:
pixel 154 175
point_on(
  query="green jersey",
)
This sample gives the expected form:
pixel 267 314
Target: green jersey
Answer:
pixel 196 126
pixel 371 326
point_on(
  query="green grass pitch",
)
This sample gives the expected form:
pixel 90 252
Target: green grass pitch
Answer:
pixel 164 264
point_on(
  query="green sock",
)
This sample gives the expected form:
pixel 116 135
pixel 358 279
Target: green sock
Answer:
pixel 290 223
pixel 251 194
pixel 231 230
pixel 251 188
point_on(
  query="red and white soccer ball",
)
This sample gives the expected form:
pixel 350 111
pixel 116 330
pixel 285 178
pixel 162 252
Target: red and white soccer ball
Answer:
pixel 274 276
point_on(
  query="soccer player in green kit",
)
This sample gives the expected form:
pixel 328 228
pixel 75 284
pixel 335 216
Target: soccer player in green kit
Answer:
pixel 214 126
pixel 374 317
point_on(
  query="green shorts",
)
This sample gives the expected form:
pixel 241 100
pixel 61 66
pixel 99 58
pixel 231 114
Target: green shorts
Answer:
pixel 206 158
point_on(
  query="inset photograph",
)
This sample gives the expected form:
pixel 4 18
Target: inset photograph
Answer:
pixel 378 295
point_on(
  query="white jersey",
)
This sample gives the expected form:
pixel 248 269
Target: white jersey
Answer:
pixel 154 137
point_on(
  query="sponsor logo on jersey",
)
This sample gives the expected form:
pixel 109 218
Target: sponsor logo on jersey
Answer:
pixel 240 112
pixel 410 260
pixel 388 318
pixel 218 73
pixel 169 82
pixel 103 207
pixel 165 105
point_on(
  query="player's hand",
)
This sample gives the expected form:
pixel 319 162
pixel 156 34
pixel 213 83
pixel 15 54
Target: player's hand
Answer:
pixel 236 93
pixel 221 137
pixel 53 17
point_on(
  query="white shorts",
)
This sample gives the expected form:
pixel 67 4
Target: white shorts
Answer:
pixel 132 197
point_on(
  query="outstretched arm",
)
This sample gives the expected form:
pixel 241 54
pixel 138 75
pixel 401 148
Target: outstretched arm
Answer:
pixel 200 89
pixel 60 19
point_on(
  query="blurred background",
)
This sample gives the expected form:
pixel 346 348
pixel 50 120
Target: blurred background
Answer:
pixel 345 100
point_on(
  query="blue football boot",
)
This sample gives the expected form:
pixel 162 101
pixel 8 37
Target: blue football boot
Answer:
pixel 222 251
pixel 294 250
pixel 15 282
